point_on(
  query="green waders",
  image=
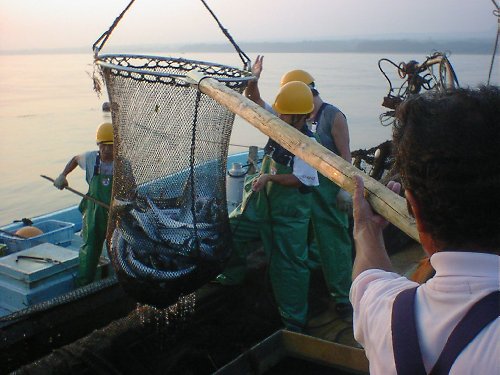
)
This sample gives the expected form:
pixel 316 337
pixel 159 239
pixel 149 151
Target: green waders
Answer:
pixel 332 243
pixel 247 229
pixel 279 216
pixel 95 222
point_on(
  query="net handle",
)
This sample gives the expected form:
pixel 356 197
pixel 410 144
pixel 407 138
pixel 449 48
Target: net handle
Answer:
pixel 99 43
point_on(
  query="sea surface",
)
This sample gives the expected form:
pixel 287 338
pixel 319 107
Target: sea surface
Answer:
pixel 49 112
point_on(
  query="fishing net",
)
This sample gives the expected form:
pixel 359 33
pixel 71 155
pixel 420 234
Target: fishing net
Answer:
pixel 170 229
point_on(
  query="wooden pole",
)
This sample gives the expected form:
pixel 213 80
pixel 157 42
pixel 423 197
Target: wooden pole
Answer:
pixel 385 202
pixel 85 196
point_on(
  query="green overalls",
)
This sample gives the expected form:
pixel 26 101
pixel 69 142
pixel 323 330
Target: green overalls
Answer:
pixel 95 221
pixel 332 242
pixel 331 239
pixel 279 216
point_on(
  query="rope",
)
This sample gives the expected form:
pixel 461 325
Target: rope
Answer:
pixel 244 58
pixel 391 89
pixel 191 173
pixel 104 37
pixel 496 12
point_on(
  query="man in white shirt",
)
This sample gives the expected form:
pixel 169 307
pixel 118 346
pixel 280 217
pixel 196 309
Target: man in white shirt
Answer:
pixel 446 148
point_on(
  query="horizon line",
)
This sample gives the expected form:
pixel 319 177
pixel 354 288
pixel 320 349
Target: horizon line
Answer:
pixel 477 45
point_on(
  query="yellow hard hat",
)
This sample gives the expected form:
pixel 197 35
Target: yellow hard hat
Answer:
pixel 105 134
pixel 28 232
pixel 294 98
pixel 297 75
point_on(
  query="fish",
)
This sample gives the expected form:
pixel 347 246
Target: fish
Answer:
pixel 166 243
pixel 125 257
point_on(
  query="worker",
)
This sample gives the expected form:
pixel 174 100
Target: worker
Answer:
pixel 276 210
pixel 446 151
pixel 331 246
pixel 98 166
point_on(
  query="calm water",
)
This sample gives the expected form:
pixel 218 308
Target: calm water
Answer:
pixel 49 112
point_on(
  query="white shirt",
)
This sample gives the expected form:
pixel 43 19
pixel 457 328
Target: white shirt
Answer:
pixel 86 161
pixel 304 172
pixel 461 280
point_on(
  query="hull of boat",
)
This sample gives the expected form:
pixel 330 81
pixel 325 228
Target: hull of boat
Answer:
pixel 30 331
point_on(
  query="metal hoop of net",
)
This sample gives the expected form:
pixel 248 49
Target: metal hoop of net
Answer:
pixel 168 225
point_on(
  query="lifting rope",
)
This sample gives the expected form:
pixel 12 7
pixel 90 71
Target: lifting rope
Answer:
pixel 104 37
pixel 496 12
pixel 99 43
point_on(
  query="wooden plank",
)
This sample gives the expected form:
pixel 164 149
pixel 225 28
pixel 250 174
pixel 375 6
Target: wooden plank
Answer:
pixel 325 352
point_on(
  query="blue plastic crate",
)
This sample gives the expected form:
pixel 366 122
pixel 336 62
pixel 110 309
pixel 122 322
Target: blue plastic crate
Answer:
pixel 54 231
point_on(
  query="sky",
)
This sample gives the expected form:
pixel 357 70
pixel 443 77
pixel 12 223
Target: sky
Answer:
pixel 57 24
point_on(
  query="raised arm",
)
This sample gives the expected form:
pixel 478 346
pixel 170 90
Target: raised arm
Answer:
pixel 252 91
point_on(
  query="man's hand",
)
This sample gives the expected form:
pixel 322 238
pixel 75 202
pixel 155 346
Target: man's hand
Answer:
pixel 257 66
pixel 261 181
pixel 364 217
pixel 61 182
pixel 368 237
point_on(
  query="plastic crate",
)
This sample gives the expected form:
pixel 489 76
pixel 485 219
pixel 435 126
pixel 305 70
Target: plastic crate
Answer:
pixel 54 231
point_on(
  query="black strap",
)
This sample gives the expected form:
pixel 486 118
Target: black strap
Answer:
pixel 479 316
pixel 320 111
pixel 407 354
pixel 97 164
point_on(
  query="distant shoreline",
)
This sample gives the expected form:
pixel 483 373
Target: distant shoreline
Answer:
pixel 471 46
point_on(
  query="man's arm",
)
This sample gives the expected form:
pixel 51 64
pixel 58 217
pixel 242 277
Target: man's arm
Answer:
pixel 288 179
pixel 61 182
pixel 340 134
pixel 368 238
pixel 252 90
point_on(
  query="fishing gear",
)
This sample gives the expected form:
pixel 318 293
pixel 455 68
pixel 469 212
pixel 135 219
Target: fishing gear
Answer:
pixel 169 229
pixel 37 259
pixel 416 77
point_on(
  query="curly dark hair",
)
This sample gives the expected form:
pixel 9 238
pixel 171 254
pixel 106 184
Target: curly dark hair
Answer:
pixel 447 148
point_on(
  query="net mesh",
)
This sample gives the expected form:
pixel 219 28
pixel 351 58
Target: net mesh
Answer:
pixel 169 229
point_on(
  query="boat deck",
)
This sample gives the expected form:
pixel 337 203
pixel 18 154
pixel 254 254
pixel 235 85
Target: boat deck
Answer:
pixel 226 322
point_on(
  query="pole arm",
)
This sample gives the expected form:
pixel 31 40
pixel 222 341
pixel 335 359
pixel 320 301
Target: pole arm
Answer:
pixel 85 196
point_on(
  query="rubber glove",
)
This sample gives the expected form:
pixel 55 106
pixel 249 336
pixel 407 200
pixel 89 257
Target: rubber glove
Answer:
pixel 344 201
pixel 60 182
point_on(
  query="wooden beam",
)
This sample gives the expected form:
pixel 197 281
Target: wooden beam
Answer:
pixel 385 202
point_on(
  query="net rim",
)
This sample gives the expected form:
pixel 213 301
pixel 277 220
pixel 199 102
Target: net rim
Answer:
pixel 99 60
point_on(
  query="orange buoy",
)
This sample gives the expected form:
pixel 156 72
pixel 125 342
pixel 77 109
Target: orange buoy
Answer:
pixel 29 231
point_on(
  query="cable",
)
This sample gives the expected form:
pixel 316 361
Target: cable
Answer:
pixel 496 12
pixel 244 58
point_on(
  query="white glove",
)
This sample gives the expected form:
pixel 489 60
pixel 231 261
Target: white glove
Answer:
pixel 344 201
pixel 60 182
